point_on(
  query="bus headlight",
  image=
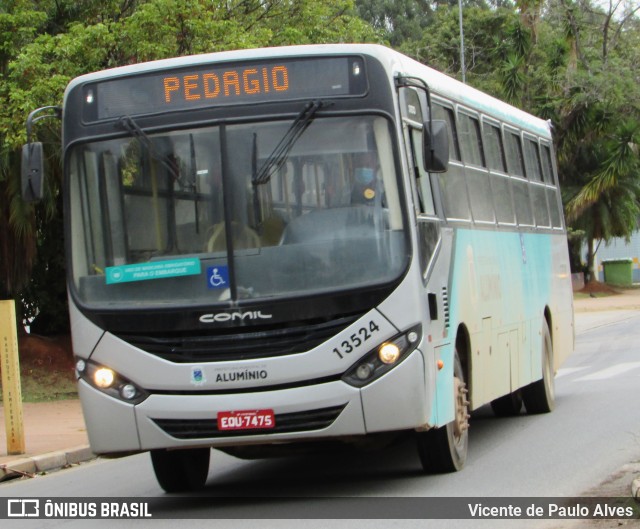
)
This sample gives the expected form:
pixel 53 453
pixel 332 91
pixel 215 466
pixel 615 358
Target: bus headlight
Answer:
pixel 104 377
pixel 388 353
pixel 383 358
pixel 110 382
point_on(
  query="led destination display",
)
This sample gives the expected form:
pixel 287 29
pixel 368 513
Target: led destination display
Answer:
pixel 224 84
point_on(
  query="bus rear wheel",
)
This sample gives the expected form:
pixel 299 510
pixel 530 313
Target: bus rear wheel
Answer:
pixel 444 449
pixel 181 470
pixel 509 405
pixel 539 397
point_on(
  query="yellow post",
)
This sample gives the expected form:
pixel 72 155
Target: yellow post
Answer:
pixel 11 389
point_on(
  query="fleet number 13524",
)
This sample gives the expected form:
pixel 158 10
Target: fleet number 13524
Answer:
pixel 357 339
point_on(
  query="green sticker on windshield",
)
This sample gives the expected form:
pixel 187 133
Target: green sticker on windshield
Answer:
pixel 155 270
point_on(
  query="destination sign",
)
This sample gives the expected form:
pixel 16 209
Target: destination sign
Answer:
pixel 229 84
pixel 211 85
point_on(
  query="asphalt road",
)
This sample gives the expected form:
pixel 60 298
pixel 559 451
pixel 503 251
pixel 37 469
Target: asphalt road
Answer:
pixel 594 430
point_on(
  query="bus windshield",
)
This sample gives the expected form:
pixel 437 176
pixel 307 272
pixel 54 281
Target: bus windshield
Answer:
pixel 212 214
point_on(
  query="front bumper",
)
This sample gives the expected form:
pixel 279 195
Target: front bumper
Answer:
pixel 396 401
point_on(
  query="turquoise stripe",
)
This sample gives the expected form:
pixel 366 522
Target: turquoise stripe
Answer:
pixel 505 276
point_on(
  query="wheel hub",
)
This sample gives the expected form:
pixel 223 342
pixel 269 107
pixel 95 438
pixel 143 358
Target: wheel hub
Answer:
pixel 461 421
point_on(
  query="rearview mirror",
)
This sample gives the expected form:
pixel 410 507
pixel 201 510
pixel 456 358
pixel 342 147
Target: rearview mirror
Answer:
pixel 435 146
pixel 32 172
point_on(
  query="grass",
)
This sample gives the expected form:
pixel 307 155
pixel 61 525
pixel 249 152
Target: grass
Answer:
pixel 585 295
pixel 46 369
pixel 42 384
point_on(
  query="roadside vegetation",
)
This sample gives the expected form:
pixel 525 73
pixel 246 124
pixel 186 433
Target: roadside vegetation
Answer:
pixel 46 369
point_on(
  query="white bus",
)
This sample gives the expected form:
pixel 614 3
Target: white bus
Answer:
pixel 274 249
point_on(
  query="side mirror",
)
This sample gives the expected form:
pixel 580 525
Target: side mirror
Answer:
pixel 435 146
pixel 32 172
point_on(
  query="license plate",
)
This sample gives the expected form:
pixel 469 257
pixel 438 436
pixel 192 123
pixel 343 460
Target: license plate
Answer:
pixel 246 420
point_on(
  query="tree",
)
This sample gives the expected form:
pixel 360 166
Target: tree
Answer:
pixel 19 24
pixel 31 238
pixel 598 116
pixel 608 205
pixel 486 43
pixel 397 20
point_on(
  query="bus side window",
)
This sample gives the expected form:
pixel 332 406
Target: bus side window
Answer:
pixel 446 114
pixel 493 147
pixel 500 184
pixel 536 187
pixel 513 149
pixel 469 132
pixel 552 190
pixel 519 184
pixel 453 186
pixel 477 176
pixel 532 160
pixel 547 165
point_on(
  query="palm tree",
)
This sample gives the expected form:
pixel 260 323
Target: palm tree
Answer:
pixel 17 230
pixel 608 205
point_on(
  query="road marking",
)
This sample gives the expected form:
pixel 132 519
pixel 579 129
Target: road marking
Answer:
pixel 563 372
pixel 610 372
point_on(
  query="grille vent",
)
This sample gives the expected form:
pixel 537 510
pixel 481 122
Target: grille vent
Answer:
pixel 238 343
pixel 445 305
pixel 285 423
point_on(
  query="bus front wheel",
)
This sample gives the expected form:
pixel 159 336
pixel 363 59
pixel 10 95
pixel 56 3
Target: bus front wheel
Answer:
pixel 181 470
pixel 444 449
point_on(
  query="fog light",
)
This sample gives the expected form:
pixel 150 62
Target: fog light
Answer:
pixel 364 371
pixel 128 391
pixel 389 353
pixel 81 365
pixel 103 377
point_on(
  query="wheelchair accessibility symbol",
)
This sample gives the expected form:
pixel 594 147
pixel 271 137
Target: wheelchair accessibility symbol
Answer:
pixel 218 277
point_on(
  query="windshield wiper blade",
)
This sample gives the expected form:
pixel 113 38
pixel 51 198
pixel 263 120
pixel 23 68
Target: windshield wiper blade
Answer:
pixel 129 124
pixel 279 155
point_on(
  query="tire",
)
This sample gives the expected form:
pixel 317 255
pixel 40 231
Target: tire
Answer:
pixel 539 397
pixel 444 449
pixel 181 470
pixel 509 405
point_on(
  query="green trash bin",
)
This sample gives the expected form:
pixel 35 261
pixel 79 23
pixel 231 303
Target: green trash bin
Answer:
pixel 618 272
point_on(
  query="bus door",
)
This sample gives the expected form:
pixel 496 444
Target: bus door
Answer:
pixel 428 221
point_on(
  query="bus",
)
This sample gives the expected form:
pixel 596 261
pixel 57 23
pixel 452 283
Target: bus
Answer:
pixel 288 248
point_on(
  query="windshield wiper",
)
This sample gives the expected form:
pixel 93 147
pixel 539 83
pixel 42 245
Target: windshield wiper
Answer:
pixel 129 124
pixel 279 155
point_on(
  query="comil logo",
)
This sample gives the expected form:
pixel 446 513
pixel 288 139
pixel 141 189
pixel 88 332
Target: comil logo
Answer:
pixel 23 508
pixel 221 317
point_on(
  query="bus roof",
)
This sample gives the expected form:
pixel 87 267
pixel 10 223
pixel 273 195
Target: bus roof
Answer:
pixel 393 61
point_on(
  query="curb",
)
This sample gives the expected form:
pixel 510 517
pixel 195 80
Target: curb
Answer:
pixel 30 466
